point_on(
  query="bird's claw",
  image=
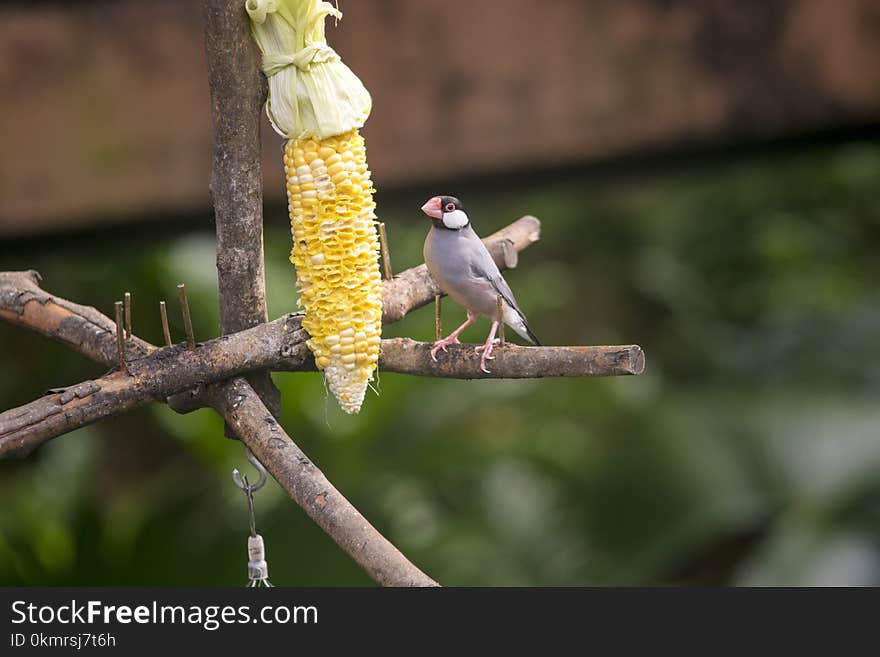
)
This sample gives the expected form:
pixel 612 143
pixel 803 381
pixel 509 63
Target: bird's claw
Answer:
pixel 441 345
pixel 480 348
pixel 487 353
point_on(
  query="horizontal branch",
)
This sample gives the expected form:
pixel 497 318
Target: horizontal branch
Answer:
pixel 511 361
pixel 280 345
pixel 24 303
pixel 25 428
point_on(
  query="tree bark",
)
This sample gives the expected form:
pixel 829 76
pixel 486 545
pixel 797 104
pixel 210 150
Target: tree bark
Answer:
pixel 238 91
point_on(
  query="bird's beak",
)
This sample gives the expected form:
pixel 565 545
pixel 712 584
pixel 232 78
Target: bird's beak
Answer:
pixel 432 208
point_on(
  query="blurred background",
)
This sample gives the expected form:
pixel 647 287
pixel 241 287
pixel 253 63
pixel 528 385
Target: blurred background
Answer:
pixel 707 176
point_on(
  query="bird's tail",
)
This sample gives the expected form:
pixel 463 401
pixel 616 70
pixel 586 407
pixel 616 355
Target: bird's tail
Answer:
pixel 518 323
pixel 531 337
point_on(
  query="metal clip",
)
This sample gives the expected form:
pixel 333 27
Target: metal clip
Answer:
pixel 258 568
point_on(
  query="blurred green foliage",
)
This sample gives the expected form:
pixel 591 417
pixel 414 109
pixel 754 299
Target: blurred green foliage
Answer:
pixel 748 453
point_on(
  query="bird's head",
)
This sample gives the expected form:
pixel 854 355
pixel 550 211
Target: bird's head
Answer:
pixel 446 212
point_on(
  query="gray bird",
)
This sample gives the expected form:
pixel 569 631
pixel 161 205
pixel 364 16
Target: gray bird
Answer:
pixel 462 267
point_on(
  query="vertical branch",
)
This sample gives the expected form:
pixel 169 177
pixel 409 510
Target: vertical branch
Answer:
pixel 238 90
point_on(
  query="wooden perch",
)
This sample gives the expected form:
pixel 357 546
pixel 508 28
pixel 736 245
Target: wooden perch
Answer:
pixel 460 361
pixel 172 370
pixel 278 345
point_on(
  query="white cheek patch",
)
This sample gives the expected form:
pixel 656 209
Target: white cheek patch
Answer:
pixel 455 219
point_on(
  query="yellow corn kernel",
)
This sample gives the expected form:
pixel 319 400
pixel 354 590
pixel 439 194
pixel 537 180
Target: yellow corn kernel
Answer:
pixel 336 254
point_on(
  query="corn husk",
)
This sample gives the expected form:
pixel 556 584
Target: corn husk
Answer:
pixel 312 93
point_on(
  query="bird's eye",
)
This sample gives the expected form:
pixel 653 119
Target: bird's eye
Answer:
pixel 450 207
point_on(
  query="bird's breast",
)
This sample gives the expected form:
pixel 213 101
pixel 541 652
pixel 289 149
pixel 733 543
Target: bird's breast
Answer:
pixel 447 257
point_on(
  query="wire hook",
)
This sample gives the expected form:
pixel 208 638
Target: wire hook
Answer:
pixel 242 482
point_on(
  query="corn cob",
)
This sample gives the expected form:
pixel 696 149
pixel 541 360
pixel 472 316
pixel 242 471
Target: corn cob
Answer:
pixel 334 250
pixel 319 104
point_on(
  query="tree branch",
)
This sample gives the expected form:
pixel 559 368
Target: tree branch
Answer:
pixel 238 90
pixel 82 328
pixel 25 428
pixel 242 409
pixel 278 345
pixel 157 373
pixel 511 361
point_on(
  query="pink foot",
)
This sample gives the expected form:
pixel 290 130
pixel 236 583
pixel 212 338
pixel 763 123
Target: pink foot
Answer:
pixel 487 353
pixel 442 344
pixel 491 341
pixel 480 348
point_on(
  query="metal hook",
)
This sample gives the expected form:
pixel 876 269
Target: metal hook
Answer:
pixel 242 482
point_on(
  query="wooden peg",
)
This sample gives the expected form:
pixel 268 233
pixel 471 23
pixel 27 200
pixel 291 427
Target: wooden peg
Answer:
pixel 187 318
pixel 163 311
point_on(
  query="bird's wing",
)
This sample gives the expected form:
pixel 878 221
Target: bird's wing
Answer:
pixel 502 288
pixel 483 267
pixel 522 326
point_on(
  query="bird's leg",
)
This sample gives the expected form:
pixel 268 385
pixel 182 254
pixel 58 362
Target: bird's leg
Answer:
pixel 452 338
pixel 487 348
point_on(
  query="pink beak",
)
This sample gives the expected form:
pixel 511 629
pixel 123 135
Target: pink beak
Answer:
pixel 432 208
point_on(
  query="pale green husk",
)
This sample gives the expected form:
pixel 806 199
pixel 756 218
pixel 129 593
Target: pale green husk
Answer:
pixel 311 92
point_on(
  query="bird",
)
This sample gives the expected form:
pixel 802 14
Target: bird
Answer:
pixel 462 267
